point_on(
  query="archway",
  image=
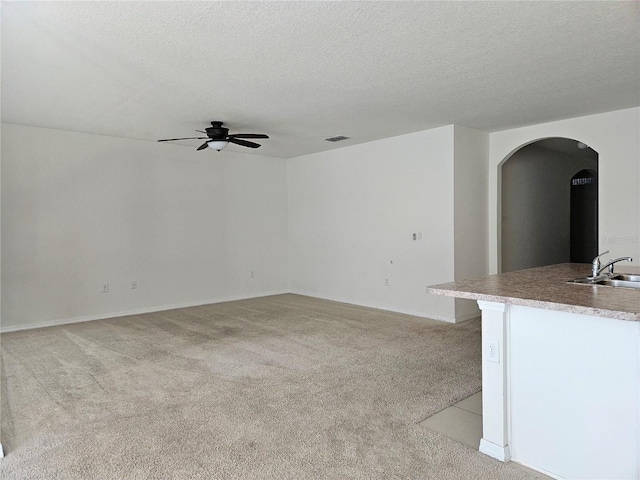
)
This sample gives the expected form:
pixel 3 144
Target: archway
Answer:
pixel 536 182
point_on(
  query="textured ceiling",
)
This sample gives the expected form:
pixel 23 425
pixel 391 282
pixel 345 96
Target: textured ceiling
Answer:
pixel 304 71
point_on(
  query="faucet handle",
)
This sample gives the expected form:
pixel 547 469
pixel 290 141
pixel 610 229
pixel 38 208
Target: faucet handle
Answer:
pixel 595 265
pixel 596 260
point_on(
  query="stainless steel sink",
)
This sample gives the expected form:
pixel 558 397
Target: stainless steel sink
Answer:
pixel 625 280
pixel 627 277
pixel 619 283
pixel 582 281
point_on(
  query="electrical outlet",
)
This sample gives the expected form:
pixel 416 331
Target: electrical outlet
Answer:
pixel 387 282
pixel 492 351
pixel 415 236
pixel 253 274
pixel 134 284
pixel 105 288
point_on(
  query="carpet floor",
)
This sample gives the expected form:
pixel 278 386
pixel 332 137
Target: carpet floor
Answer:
pixel 281 387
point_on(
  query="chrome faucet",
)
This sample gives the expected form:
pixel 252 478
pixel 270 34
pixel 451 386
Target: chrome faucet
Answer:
pixel 596 269
pixel 612 262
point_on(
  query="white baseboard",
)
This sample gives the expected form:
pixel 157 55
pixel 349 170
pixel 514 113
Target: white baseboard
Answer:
pixel 544 472
pixel 413 313
pixel 140 311
pixel 496 451
pixel 160 308
pixel 468 316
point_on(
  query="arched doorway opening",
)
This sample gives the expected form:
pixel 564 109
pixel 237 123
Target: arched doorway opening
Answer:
pixel 537 211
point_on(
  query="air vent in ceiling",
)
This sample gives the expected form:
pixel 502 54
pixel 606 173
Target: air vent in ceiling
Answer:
pixel 337 138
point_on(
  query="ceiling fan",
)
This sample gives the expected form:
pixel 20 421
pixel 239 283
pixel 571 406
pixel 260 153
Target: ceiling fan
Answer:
pixel 218 137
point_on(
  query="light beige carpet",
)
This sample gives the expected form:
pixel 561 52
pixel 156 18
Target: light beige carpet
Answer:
pixel 282 387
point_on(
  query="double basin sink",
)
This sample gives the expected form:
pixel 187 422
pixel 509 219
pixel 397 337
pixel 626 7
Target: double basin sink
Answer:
pixel 616 280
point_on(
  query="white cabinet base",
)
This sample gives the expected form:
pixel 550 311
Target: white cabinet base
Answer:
pixel 561 391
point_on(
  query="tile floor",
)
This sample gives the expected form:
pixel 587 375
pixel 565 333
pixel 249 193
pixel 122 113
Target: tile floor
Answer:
pixel 463 422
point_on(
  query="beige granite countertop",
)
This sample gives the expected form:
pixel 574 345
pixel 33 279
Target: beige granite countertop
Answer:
pixel 547 287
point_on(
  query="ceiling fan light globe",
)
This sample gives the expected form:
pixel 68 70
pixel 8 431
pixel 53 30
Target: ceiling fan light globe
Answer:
pixel 217 144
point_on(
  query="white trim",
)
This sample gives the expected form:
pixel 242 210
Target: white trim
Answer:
pixel 413 313
pixel 467 316
pixel 495 381
pixel 139 311
pixel 493 306
pixel 439 318
pixel 1 451
pixel 496 451
pixel 537 469
pixel 508 387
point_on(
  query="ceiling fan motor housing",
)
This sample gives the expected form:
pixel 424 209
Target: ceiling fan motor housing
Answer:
pixel 217 130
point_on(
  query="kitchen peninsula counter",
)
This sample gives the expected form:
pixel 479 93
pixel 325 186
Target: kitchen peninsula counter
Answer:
pixel 547 288
pixel 560 370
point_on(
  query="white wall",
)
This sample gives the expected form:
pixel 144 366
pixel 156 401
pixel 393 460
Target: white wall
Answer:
pixel 616 138
pixel 80 210
pixel 536 214
pixel 471 233
pixel 352 213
